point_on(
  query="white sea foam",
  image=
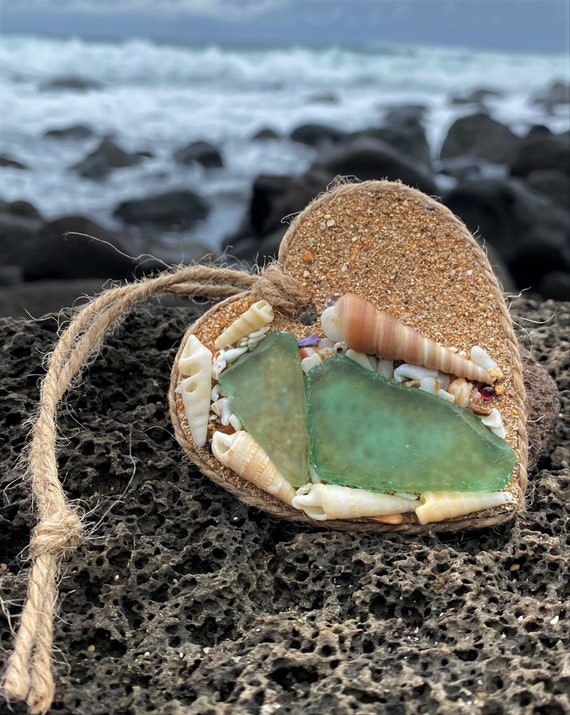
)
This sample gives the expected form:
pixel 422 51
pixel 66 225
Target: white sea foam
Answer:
pixel 159 97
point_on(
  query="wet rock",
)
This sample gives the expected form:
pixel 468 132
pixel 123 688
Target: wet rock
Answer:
pixel 275 197
pixel 409 138
pixel 58 251
pixel 557 93
pixel 199 152
pixel 530 233
pixel 104 159
pixel 10 163
pixel 18 235
pixel 316 135
pixel 555 285
pixel 539 151
pixel 481 136
pixel 173 209
pixel 405 114
pixel 553 184
pixel 21 208
pixel 74 132
pixel 368 158
pixel 477 96
pixel 72 82
pixel 265 134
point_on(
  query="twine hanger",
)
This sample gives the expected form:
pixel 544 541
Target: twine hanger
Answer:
pixel 59 529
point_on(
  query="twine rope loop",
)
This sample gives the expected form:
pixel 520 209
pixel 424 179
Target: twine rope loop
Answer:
pixel 59 529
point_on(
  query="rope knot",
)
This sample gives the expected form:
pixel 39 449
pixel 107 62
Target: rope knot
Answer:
pixel 283 292
pixel 57 535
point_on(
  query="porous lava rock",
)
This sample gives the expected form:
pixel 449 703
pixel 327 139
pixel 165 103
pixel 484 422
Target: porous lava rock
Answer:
pixel 183 600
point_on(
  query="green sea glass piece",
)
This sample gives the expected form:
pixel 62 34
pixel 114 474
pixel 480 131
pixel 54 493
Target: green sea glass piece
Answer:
pixel 370 433
pixel 266 391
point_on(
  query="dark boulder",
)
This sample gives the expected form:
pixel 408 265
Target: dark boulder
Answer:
pixel 316 135
pixel 10 163
pixel 555 285
pixel 18 236
pixel 276 197
pixel 104 159
pixel 540 151
pixel 551 183
pixel 74 132
pixel 369 158
pixel 557 93
pixel 181 208
pixel 74 247
pixel 74 83
pixel 481 136
pixel 265 134
pixel 404 114
pixel 408 137
pixel 200 152
pixel 477 96
pixel 529 232
pixel 463 167
pixel 21 208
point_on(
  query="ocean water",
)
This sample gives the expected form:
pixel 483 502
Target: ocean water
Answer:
pixel 159 97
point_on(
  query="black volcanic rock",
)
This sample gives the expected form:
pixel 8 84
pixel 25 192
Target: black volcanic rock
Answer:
pixel 74 247
pixel 72 82
pixel 481 136
pixel 316 135
pixel 200 152
pixel 477 96
pixel 10 163
pixel 557 93
pixel 542 150
pixel 530 233
pixel 73 132
pixel 369 158
pixel 104 159
pixel 187 601
pixel 180 208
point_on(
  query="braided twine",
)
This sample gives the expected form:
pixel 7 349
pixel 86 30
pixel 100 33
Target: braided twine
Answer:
pixel 59 529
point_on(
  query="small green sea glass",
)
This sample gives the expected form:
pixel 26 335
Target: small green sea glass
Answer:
pixel 267 393
pixel 370 433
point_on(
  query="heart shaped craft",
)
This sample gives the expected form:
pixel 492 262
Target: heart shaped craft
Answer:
pixel 393 400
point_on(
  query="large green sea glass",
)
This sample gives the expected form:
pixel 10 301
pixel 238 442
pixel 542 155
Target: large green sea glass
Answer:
pixel 369 433
pixel 266 391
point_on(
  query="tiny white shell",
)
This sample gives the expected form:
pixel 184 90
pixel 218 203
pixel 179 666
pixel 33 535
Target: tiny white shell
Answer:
pixel 243 455
pixel 438 506
pixel 367 361
pixel 331 324
pixel 310 361
pixel 385 368
pixel 195 356
pixel 196 361
pixel 494 422
pixel 329 501
pixel 481 357
pixel 413 372
pixel 444 395
pixel 255 317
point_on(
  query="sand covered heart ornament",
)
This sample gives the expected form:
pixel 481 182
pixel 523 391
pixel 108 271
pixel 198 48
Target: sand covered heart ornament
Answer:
pixel 385 394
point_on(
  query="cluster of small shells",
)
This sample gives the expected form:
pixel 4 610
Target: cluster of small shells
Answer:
pixel 375 340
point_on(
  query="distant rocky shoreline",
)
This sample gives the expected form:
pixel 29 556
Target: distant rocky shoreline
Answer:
pixel 512 192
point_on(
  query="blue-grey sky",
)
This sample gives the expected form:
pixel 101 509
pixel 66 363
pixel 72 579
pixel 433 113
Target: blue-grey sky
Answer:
pixel 533 25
